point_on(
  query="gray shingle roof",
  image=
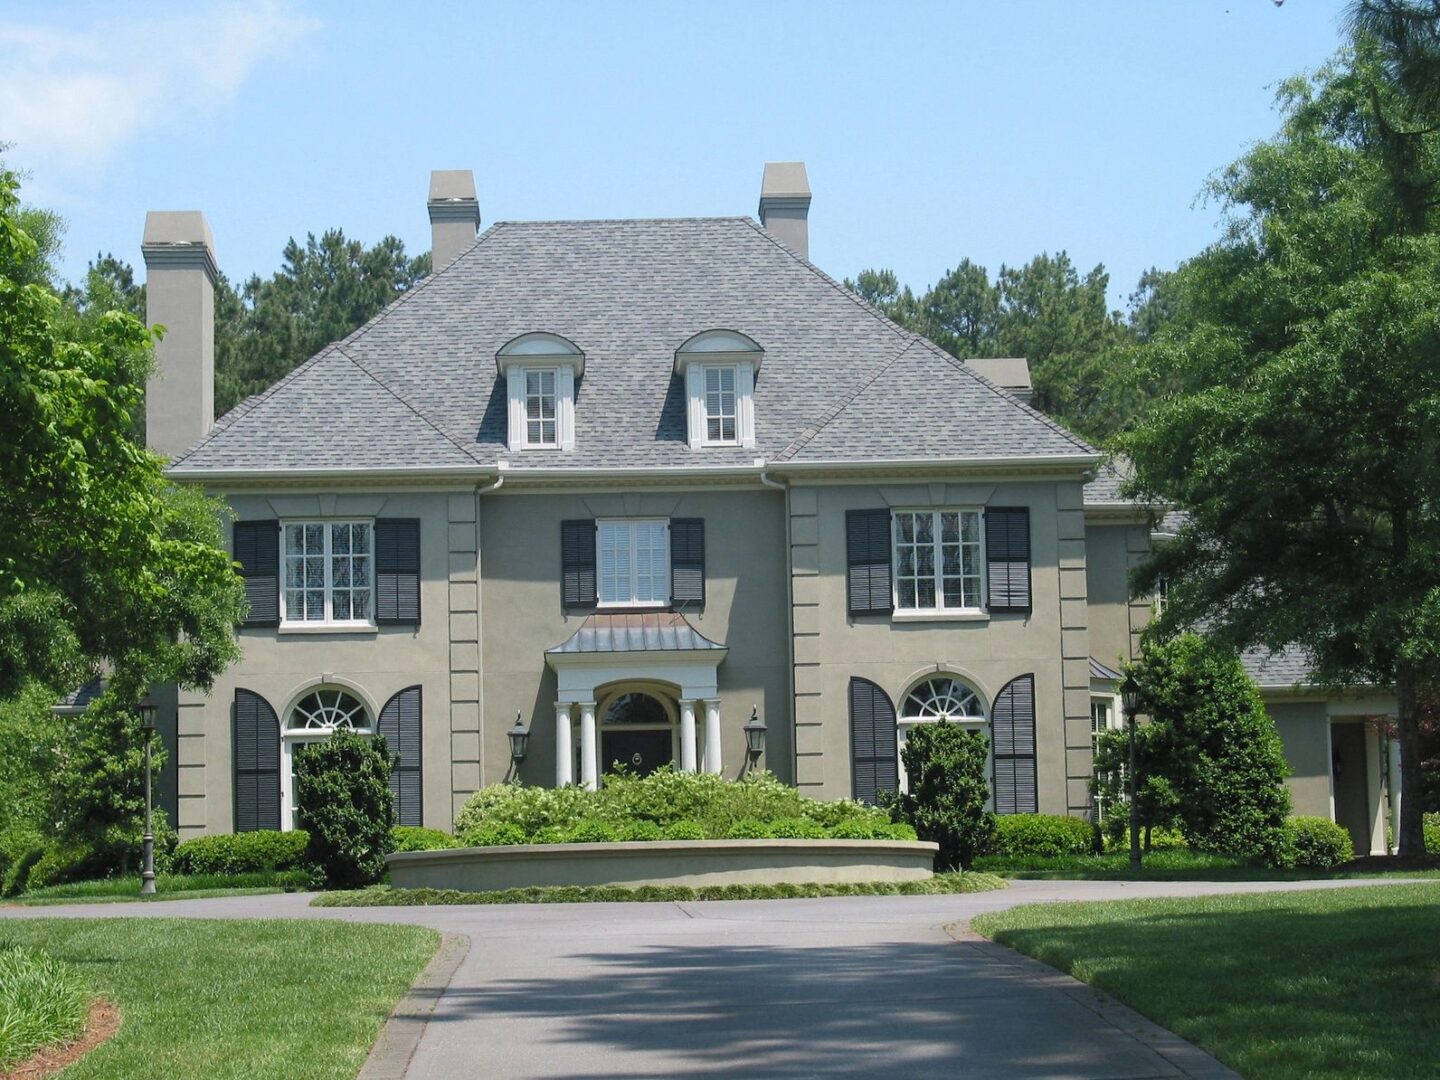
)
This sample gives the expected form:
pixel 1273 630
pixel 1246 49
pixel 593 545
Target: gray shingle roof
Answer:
pixel 648 632
pixel 417 386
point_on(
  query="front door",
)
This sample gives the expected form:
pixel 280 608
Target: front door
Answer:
pixel 640 752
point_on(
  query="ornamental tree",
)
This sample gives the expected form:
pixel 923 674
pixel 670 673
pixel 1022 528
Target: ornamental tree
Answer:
pixel 945 764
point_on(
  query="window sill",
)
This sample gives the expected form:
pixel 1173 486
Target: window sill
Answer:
pixel 329 628
pixel 633 609
pixel 940 616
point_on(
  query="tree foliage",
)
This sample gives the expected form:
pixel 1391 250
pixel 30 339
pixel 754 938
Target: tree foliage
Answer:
pixel 342 798
pixel 945 766
pixel 1302 430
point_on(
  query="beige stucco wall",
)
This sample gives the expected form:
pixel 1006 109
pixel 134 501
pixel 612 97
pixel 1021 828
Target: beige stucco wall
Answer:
pixel 1052 643
pixel 281 666
pixel 1304 729
pixel 1112 550
pixel 522 614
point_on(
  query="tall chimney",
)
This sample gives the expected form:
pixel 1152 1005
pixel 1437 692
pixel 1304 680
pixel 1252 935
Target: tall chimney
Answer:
pixel 180 275
pixel 454 214
pixel 785 205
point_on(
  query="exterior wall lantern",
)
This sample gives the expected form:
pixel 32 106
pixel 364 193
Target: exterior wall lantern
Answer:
pixel 1130 701
pixel 147 868
pixel 754 736
pixel 519 736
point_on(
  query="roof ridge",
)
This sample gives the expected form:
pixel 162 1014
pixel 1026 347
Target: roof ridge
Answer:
pixel 419 415
pixel 830 415
pixel 624 221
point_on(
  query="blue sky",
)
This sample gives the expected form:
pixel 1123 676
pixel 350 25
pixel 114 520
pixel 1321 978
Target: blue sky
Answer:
pixel 931 132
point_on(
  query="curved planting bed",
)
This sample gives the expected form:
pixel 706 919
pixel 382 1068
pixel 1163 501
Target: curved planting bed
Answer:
pixel 664 862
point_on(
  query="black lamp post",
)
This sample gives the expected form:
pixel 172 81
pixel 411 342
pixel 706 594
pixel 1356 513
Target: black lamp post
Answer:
pixel 754 736
pixel 519 736
pixel 1130 701
pixel 147 868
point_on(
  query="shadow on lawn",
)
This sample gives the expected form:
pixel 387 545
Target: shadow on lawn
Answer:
pixel 1299 984
pixel 929 1009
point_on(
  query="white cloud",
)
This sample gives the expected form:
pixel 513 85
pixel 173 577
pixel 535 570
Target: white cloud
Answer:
pixel 72 96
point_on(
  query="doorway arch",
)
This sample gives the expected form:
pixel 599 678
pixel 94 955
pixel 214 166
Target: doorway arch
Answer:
pixel 639 728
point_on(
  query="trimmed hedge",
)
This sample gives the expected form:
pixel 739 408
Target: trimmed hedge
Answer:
pixel 600 832
pixel 1432 833
pixel 416 838
pixel 1316 843
pixel 242 853
pixel 1044 835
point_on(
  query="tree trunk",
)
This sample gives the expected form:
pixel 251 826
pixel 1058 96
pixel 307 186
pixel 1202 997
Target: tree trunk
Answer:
pixel 1412 809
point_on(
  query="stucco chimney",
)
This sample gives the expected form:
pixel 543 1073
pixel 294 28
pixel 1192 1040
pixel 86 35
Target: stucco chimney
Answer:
pixel 180 275
pixel 785 204
pixel 454 214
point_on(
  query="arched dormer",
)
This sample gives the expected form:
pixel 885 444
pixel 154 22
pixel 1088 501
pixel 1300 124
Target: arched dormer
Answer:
pixel 719 368
pixel 540 370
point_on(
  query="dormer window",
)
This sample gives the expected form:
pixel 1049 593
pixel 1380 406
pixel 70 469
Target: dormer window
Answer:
pixel 540 372
pixel 719 369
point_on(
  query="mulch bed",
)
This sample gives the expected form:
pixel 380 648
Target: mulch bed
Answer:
pixel 103 1022
pixel 1378 864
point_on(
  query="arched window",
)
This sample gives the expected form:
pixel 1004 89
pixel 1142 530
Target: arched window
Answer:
pixel 719 369
pixel 328 710
pixel 942 698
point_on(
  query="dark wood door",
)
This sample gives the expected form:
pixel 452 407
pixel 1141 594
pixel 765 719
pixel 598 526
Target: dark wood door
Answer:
pixel 641 752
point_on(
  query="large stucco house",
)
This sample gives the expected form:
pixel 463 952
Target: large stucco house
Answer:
pixel 631 482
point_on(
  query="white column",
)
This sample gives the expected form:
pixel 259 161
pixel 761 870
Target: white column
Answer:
pixel 589 773
pixel 1394 786
pixel 712 735
pixel 687 735
pixel 1374 782
pixel 564 745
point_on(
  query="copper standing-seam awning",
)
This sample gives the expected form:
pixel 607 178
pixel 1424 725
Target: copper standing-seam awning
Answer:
pixel 665 631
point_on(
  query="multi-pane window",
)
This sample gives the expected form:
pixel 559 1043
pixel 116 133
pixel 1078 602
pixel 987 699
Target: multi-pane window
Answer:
pixel 634 559
pixel 328 572
pixel 541 426
pixel 1099 721
pixel 937 560
pixel 721 411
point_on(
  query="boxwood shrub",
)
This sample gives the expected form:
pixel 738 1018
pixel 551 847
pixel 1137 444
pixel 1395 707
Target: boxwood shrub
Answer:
pixel 416 838
pixel 1046 835
pixel 242 853
pixel 1316 843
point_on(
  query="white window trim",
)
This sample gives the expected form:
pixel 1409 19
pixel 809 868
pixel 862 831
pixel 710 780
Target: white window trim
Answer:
pixel 515 370
pixel 319 626
pixel 601 603
pixel 744 401
pixel 939 612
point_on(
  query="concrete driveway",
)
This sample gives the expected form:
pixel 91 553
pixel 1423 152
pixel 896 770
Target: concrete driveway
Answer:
pixel 889 986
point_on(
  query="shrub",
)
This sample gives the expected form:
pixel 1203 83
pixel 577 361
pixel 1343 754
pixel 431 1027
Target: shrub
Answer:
pixel 641 830
pixel 1316 843
pixel 17 877
pixel 527 808
pixel 342 795
pixel 683 830
pixel 415 838
pixel 748 830
pixel 65 862
pixel 796 829
pixel 945 764
pixel 242 853
pixel 1042 834
pixel 497 836
pixel 591 832
pixel 1432 833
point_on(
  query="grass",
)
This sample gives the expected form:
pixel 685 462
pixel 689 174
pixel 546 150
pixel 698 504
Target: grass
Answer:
pixel 385 896
pixel 42 1002
pixel 169 887
pixel 1332 983
pixel 1177 864
pixel 233 1000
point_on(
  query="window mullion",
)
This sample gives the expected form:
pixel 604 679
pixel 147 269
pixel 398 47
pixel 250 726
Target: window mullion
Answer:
pixel 937 553
pixel 329 575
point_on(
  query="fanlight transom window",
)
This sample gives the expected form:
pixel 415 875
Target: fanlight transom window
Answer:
pixel 942 699
pixel 328 710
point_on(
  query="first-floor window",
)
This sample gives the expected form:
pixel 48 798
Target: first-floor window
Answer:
pixel 937 560
pixel 328 575
pixel 634 561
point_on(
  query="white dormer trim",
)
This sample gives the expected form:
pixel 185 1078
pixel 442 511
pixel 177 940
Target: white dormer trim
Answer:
pixel 541 352
pixel 719 349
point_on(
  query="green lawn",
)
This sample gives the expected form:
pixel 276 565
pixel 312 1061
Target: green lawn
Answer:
pixel 233 999
pixel 169 887
pixel 1171 865
pixel 1323 983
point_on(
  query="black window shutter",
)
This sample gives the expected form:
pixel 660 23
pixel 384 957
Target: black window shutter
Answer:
pixel 1012 732
pixel 397 571
pixel 257 550
pixel 400 725
pixel 873 753
pixel 867 554
pixel 687 562
pixel 577 563
pixel 257 763
pixel 1007 557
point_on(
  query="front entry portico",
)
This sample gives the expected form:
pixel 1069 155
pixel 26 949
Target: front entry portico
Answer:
pixel 633 684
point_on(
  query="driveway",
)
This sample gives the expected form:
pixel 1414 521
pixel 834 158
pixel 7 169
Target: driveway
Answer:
pixel 839 987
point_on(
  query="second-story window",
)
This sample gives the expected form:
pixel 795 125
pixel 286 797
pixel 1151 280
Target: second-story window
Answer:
pixel 328 573
pixel 937 560
pixel 721 413
pixel 541 417
pixel 634 558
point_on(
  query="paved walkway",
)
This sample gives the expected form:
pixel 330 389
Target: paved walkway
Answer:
pixel 839 987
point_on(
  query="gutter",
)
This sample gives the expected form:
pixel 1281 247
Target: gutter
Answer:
pixel 781 485
pixel 398 473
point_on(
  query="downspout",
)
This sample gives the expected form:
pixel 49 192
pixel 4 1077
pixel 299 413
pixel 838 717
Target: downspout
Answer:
pixel 483 489
pixel 781 485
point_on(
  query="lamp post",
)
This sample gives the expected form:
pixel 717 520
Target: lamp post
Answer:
pixel 147 868
pixel 519 736
pixel 1130 701
pixel 754 736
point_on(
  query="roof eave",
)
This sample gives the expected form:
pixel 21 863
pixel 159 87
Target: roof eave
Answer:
pixel 426 474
